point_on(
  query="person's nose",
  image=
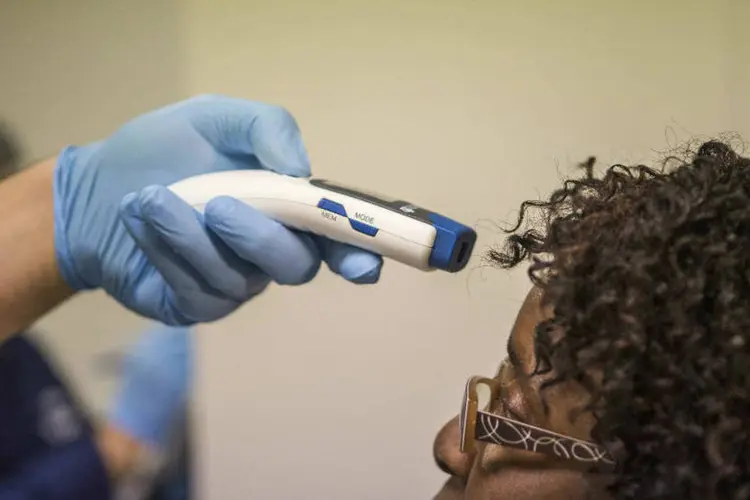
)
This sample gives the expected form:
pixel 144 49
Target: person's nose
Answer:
pixel 447 452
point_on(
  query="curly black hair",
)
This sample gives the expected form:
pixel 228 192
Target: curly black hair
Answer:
pixel 647 272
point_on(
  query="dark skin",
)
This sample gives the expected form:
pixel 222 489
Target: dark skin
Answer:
pixel 494 472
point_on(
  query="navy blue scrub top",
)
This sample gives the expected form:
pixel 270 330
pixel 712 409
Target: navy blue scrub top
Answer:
pixel 47 447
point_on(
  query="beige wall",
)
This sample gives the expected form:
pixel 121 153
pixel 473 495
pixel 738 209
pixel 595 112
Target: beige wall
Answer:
pixel 334 391
pixel 738 67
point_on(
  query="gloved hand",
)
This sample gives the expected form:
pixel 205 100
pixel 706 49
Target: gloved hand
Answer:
pixel 156 380
pixel 118 227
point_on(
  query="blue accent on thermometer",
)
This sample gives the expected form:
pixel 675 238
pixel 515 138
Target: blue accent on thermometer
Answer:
pixel 363 228
pixel 332 206
pixel 339 209
pixel 452 242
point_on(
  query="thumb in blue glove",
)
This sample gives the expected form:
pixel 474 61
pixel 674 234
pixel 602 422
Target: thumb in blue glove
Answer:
pixel 117 226
pixel 155 386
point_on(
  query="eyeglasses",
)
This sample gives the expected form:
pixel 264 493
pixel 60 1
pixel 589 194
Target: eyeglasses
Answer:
pixel 481 425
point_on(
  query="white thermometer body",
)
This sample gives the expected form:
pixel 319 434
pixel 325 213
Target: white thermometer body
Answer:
pixel 392 228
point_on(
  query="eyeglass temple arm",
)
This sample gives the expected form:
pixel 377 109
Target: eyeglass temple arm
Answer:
pixel 504 431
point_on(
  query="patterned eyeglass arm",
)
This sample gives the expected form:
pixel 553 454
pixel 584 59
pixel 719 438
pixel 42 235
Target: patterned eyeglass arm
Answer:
pixel 491 428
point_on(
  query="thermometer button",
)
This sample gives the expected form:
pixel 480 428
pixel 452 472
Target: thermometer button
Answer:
pixel 332 206
pixel 363 228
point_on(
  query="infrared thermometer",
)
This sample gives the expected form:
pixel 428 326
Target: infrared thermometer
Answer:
pixel 392 228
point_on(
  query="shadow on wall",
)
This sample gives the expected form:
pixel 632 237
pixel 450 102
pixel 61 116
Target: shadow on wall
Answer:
pixel 110 61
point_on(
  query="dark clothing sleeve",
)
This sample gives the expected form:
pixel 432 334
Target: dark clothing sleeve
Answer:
pixel 47 444
pixel 74 472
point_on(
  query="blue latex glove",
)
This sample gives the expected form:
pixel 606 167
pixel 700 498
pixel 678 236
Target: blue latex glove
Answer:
pixel 118 227
pixel 155 385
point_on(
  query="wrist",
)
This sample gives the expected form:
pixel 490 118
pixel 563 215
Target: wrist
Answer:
pixel 62 183
pixel 32 283
pixel 119 451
